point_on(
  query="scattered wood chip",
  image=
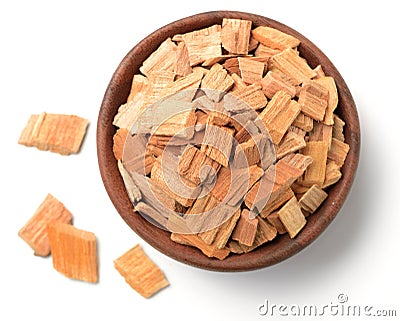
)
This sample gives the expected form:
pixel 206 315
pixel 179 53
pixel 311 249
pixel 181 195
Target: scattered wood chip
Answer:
pixel 74 251
pixel 58 133
pixel 235 35
pixel 274 38
pixel 34 231
pixel 276 202
pixel 292 217
pixel 312 199
pixel 320 133
pixel 140 272
pixel 290 143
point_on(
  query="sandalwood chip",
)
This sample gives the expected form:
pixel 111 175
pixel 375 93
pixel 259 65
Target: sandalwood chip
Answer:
pixel 73 251
pixel 274 38
pixel 293 66
pixel 245 230
pixel 140 272
pixel 292 217
pixel 315 173
pixel 313 100
pixel 34 231
pixel 312 199
pixel 62 134
pixel 235 35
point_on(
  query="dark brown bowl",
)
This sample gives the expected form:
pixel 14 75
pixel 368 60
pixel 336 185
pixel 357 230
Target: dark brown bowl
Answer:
pixel 270 253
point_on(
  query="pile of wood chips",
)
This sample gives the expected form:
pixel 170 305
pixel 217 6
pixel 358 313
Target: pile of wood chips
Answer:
pixel 300 158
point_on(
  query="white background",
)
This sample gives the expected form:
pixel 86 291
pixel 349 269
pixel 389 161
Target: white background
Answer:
pixel 59 57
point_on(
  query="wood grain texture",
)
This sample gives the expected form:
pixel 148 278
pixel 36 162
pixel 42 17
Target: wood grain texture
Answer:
pixel 272 252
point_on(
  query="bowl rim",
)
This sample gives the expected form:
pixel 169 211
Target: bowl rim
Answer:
pixel 272 252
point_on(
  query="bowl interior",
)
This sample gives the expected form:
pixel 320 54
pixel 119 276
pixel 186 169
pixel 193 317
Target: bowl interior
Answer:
pixel 272 252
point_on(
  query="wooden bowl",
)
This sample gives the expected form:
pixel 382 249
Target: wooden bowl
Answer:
pixel 270 253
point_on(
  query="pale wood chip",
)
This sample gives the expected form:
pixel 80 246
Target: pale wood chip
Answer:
pixel 274 220
pixel 184 88
pixel 197 166
pixel 119 139
pixel 182 63
pixel 216 83
pixel 140 272
pixel 303 122
pixel 293 66
pixel 235 35
pixel 313 100
pixel 315 173
pixel 292 217
pixel 164 174
pixel 232 65
pixel 312 199
pixel 298 161
pixel 251 95
pixel 238 83
pixel 279 114
pixel 219 236
pixel 245 229
pixel 290 143
pixel 332 174
pixel 159 80
pixel 157 217
pixel 203 44
pixel 333 99
pixel 265 233
pixel 251 70
pixel 194 240
pixel 58 133
pixel 264 51
pixel 217 143
pixel 130 112
pixel 253 43
pixel 162 59
pixel 277 201
pixel 274 38
pixel 337 131
pixel 133 191
pixel 34 231
pixel 338 151
pixel 180 124
pixel 217 59
pixel 74 251
pixel 321 132
pixel 231 186
pixel 276 81
pixel 319 72
pixel 140 83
